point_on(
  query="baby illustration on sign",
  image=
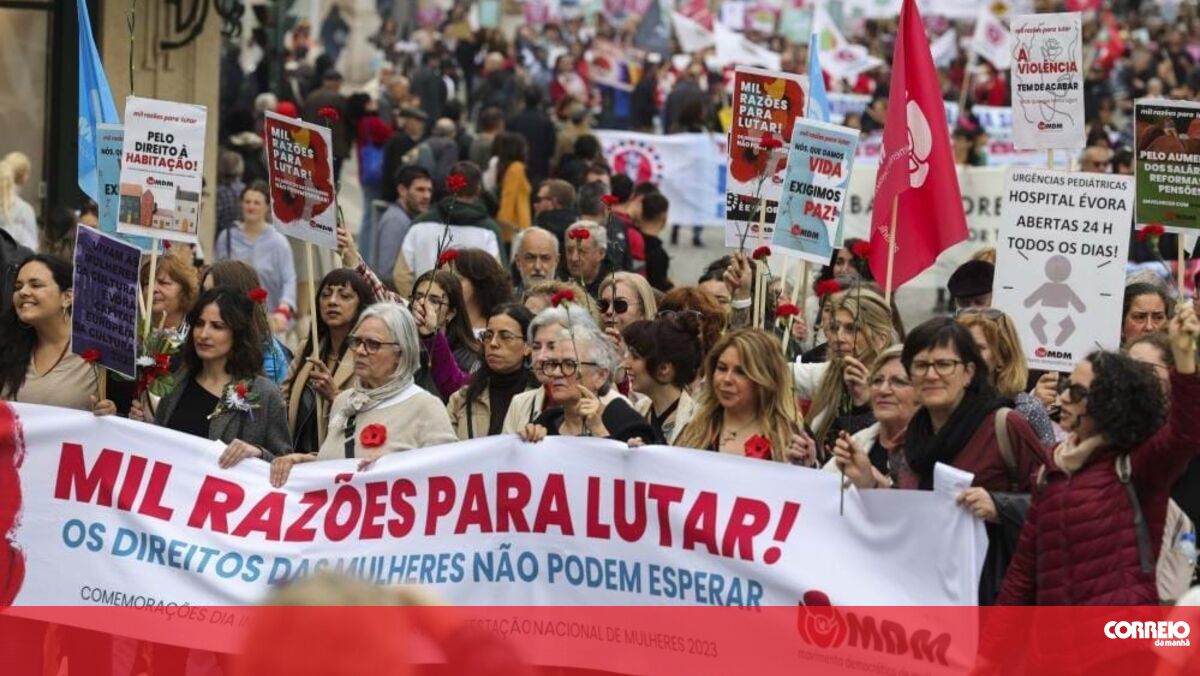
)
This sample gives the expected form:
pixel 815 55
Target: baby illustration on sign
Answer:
pixel 1056 294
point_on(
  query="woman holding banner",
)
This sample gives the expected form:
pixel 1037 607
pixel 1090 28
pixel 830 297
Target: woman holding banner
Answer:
pixel 36 362
pixel 1102 497
pixel 479 408
pixel 385 411
pixel 220 392
pixel 341 297
pixel 744 407
pixel 874 458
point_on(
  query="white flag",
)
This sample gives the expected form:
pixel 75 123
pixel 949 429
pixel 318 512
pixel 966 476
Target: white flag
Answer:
pixel 736 49
pixel 991 40
pixel 945 48
pixel 839 57
pixel 692 34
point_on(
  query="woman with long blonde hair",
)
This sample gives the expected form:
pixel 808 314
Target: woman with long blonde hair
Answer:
pixel 860 328
pixel 16 215
pixel 744 407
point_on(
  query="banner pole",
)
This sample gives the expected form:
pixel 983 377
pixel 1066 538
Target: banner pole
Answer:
pixel 150 287
pixel 968 78
pixel 102 383
pixel 783 277
pixel 1180 265
pixel 312 322
pixel 891 259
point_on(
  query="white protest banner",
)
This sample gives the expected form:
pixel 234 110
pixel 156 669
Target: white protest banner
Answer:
pixel 991 39
pixel 1047 81
pixel 982 192
pixel 1060 262
pixel 685 167
pixel 765 106
pixel 300 171
pixel 112 508
pixel 820 158
pixel 162 169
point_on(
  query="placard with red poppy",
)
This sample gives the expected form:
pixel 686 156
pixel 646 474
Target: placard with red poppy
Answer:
pixel 766 104
pixel 815 189
pixel 300 172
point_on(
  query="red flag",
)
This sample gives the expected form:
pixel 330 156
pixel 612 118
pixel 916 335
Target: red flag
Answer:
pixel 916 164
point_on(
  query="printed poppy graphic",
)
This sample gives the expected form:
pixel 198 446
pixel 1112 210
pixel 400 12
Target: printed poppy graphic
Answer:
pixel 758 447
pixel 301 172
pixel 373 436
pixel 12 453
pixel 796 231
pixel 818 622
pixel 765 108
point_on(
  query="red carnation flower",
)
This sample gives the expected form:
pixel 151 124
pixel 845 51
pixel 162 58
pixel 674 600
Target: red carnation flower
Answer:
pixel 861 249
pixel 761 252
pixel 448 256
pixel 560 297
pixel 579 233
pixel 373 436
pixel 758 447
pixel 329 113
pixel 241 390
pixel 162 360
pixel 91 355
pixel 258 295
pixel 610 200
pixel 828 286
pixel 770 142
pixel 1152 231
pixel 456 183
pixel 786 310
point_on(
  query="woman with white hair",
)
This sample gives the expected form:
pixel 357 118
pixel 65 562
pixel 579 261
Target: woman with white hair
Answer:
pixel 16 215
pixel 385 411
pixel 582 400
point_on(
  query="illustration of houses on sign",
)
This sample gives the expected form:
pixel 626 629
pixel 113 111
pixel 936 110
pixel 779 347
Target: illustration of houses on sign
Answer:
pixel 187 210
pixel 136 205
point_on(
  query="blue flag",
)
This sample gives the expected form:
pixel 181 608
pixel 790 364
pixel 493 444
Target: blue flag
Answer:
pixel 95 103
pixel 818 102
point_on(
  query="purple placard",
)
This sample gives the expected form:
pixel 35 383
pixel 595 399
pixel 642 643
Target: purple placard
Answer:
pixel 105 300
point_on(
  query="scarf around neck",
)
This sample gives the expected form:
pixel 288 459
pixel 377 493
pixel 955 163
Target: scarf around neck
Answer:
pixel 362 399
pixel 1071 455
pixel 923 448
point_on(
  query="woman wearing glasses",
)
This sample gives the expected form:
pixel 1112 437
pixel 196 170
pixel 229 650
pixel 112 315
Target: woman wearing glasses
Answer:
pixel 582 399
pixel 479 409
pixel 874 457
pixel 963 422
pixel 860 328
pixel 385 411
pixel 450 351
pixel 998 344
pixel 663 359
pixel 1096 521
pixel 544 332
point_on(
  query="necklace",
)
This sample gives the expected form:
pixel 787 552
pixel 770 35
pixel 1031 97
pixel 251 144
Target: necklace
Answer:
pixel 56 361
pixel 730 435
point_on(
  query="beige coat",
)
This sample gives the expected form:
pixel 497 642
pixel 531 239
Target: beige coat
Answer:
pixel 293 387
pixel 481 414
pixel 414 419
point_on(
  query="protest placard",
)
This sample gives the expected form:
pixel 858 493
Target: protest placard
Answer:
pixel 1060 262
pixel 1047 81
pixel 1167 163
pixel 820 158
pixel 106 300
pixel 491 521
pixel 765 106
pixel 109 140
pixel 162 169
pixel 300 171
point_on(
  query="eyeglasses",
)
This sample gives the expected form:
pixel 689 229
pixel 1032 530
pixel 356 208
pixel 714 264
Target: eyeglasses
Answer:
pixel 619 305
pixel 1078 392
pixel 987 312
pixel 504 336
pixel 369 345
pixel 434 300
pixel 895 382
pixel 943 367
pixel 566 367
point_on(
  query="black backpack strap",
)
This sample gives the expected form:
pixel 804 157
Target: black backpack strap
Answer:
pixel 1125 474
pixel 351 429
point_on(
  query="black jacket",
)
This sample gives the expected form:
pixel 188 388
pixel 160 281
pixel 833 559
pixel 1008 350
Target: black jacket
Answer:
pixel 540 134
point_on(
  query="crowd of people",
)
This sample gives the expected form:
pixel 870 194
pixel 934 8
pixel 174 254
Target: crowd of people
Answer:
pixel 555 313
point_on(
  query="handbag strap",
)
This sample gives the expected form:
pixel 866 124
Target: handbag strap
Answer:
pixel 1006 449
pixel 1125 475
